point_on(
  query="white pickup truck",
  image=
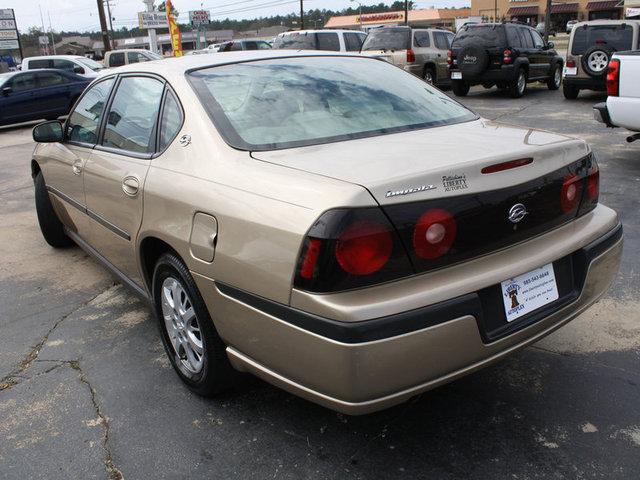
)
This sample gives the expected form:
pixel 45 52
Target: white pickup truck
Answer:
pixel 622 108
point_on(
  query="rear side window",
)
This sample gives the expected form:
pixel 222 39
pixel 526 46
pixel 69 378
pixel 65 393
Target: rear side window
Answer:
pixel 616 37
pixel 394 38
pixel 132 118
pixel 487 36
pixel 40 64
pixel 421 39
pixel 83 123
pixel 116 59
pixel 171 120
pixel 328 41
pixel 525 38
pixel 513 38
pixel 353 42
pixel 442 40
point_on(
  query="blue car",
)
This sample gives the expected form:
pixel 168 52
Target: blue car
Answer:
pixel 38 94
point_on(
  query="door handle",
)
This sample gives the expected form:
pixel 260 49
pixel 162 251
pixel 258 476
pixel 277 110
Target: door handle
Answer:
pixel 77 167
pixel 130 186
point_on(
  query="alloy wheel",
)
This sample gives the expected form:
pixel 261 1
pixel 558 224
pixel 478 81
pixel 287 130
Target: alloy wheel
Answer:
pixel 598 61
pixel 522 82
pixel 428 77
pixel 557 77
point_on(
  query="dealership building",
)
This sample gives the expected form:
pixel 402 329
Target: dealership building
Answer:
pixel 428 17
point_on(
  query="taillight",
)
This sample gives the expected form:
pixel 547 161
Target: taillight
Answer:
pixel 310 258
pixel 613 77
pixel 411 56
pixel 434 234
pixel 590 200
pixel 449 57
pixel 571 192
pixel 506 56
pixel 571 64
pixel 364 247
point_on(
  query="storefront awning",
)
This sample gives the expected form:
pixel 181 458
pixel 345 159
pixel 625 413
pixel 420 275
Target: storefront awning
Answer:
pixel 600 6
pixel 565 8
pixel 522 11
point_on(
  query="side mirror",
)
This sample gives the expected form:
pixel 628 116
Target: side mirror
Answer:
pixel 48 132
pixel 6 91
pixel 551 45
pixel 78 69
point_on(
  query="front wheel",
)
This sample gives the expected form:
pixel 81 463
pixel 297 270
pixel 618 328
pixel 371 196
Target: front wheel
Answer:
pixel 460 88
pixel 555 79
pixel 570 92
pixel 190 339
pixel 519 85
pixel 429 75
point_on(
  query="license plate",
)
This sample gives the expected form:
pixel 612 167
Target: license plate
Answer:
pixel 528 292
pixel 456 75
pixel 570 70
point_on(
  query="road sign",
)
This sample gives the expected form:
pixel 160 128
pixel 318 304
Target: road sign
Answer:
pixel 152 20
pixel 199 17
pixel 6 14
pixel 9 45
pixel 7 25
pixel 43 40
pixel 8 35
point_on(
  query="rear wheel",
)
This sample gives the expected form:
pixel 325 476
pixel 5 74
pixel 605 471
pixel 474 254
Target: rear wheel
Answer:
pixel 460 88
pixel 519 85
pixel 190 339
pixel 50 225
pixel 555 79
pixel 429 75
pixel 570 92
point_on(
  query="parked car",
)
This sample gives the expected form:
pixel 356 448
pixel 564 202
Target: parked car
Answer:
pixel 117 58
pixel 238 45
pixel 85 67
pixel 328 40
pixel 541 26
pixel 421 51
pixel 38 94
pixel 570 25
pixel 508 55
pixel 591 45
pixel 327 222
pixel 623 89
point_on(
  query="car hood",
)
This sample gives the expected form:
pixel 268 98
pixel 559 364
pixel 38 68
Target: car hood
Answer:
pixel 435 162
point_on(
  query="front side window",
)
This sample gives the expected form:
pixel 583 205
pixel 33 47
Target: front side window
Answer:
pixel 84 121
pixel 171 121
pixel 263 46
pixel 116 59
pixel 51 79
pixel 616 37
pixel 234 47
pixel 21 83
pixel 132 118
pixel 306 101
pixel 328 41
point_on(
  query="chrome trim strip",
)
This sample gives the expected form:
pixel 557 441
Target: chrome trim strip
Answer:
pixel 66 198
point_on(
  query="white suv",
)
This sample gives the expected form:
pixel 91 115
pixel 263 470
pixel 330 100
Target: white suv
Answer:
pixel 330 40
pixel 85 67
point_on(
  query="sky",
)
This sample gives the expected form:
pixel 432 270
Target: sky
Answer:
pixel 82 15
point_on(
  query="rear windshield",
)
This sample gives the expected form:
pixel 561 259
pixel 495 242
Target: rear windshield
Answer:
pixel 388 39
pixel 283 103
pixel 488 36
pixel 617 37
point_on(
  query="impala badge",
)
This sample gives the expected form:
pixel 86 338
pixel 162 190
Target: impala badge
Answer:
pixel 517 213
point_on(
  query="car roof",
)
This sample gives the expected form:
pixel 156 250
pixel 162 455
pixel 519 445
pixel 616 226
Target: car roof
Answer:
pixel 66 57
pixel 336 30
pixel 608 22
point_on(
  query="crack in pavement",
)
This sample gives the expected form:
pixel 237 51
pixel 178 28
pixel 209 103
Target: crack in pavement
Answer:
pixel 514 112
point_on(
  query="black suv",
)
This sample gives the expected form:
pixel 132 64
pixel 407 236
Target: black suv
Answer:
pixel 508 55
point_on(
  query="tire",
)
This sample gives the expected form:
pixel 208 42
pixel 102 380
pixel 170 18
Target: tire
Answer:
pixel 596 59
pixel 50 225
pixel 460 88
pixel 556 78
pixel 429 75
pixel 518 87
pixel 213 373
pixel 570 92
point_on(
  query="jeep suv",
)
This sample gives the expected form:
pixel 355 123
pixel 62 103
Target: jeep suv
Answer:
pixel 508 55
pixel 590 48
pixel 421 51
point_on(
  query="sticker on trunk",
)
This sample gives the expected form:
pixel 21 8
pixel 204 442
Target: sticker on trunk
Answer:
pixel 454 182
pixel 528 292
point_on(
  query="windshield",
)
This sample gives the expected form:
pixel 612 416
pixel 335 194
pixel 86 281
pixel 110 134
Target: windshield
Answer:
pixel 93 65
pixel 488 36
pixel 616 37
pixel 154 56
pixel 296 41
pixel 283 103
pixel 388 39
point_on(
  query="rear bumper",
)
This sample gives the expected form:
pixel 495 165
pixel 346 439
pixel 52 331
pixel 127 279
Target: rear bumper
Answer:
pixel 361 367
pixel 588 83
pixel 506 73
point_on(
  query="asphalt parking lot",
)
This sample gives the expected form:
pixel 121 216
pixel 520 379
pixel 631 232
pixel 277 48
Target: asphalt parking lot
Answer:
pixel 87 392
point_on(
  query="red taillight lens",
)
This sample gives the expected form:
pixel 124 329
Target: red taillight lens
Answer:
pixel 449 57
pixel 570 193
pixel 364 247
pixel 434 234
pixel 613 77
pixel 310 258
pixel 593 182
pixel 507 56
pixel 411 56
pixel 571 63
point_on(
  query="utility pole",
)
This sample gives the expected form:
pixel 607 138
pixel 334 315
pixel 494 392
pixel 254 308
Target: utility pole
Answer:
pixel 53 44
pixel 45 48
pixel 406 12
pixel 301 15
pixel 495 11
pixel 103 27
pixel 110 21
pixel 153 42
pixel 547 19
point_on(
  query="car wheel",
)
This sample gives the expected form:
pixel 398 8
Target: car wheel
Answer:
pixel 555 79
pixel 570 92
pixel 190 339
pixel 519 85
pixel 596 59
pixel 460 88
pixel 429 75
pixel 50 225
